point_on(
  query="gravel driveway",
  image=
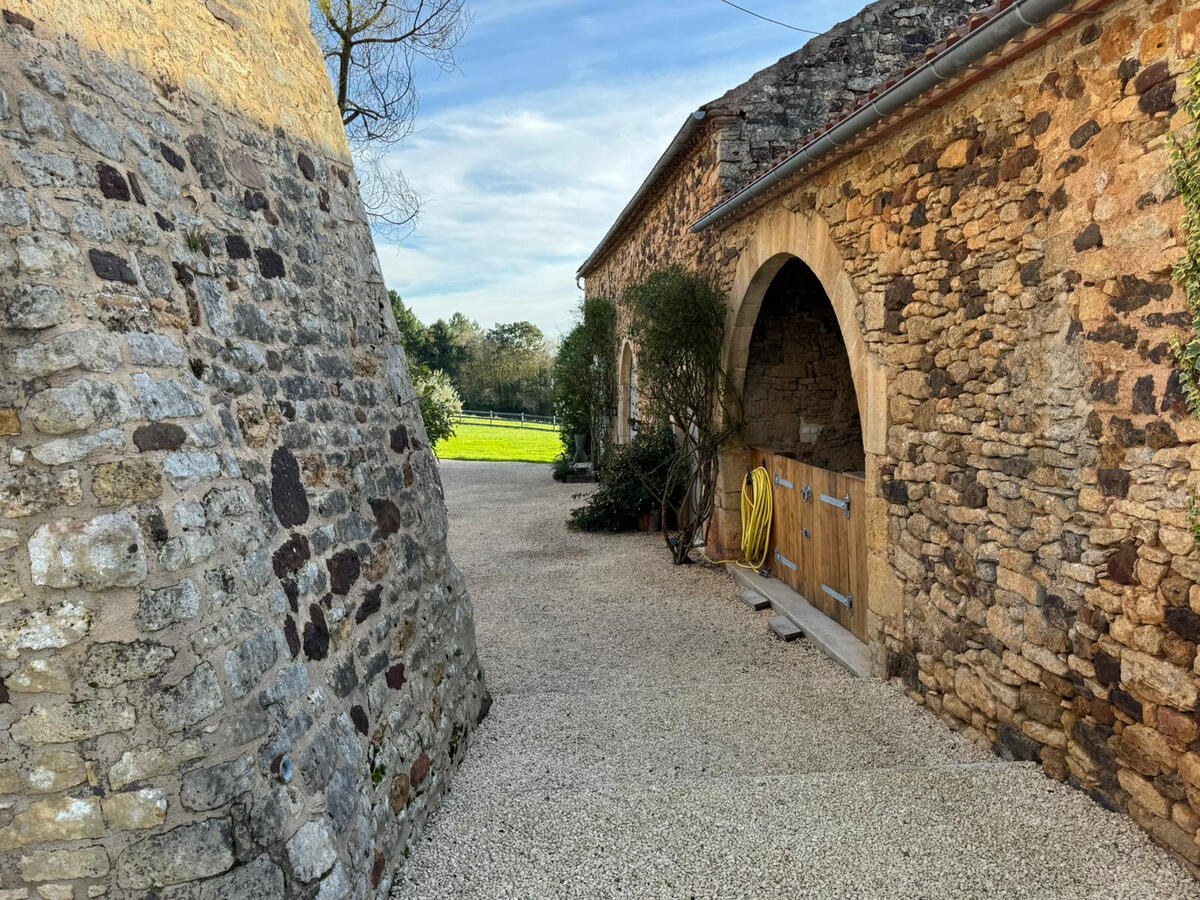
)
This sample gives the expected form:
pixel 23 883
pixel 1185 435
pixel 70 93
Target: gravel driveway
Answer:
pixel 649 738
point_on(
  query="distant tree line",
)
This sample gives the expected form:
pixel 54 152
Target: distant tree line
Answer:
pixel 507 368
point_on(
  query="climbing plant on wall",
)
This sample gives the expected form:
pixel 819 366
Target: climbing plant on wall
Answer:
pixel 1185 167
pixel 677 320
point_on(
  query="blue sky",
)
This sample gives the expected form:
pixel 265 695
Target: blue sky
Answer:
pixel 525 156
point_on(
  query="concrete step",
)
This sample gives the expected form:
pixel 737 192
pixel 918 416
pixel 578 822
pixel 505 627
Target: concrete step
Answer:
pixel 822 632
pixel 754 600
pixel 785 628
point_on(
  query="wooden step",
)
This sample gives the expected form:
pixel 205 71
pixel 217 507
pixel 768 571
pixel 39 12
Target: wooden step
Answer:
pixel 785 628
pixel 754 600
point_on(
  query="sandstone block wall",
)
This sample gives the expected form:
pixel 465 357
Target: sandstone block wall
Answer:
pixel 235 659
pixel 1010 259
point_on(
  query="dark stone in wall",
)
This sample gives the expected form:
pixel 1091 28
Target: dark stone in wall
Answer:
pixel 288 496
pixel 15 18
pixel 111 267
pixel 1144 401
pixel 1126 703
pixel 316 633
pixel 1151 76
pixel 395 677
pixel 358 716
pixel 291 556
pixel 371 604
pixel 173 159
pixel 1093 740
pixel 1089 239
pixel 1160 98
pixel 1108 668
pixel 419 771
pixel 292 636
pixel 136 188
pixel 1013 744
pixel 255 201
pixel 1160 435
pixel 1121 563
pixel 1184 623
pixel 270 263
pixel 1083 134
pixel 387 516
pixel 112 182
pixel 344 568
pixel 236 247
pixel 304 161
pixel 159 436
pixel 399 439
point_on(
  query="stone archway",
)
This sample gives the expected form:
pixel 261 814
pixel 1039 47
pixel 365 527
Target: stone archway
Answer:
pixel 778 238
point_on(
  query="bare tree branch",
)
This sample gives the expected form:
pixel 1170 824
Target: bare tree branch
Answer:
pixel 370 49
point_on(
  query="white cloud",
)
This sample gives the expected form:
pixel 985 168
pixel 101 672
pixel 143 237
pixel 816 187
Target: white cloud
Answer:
pixel 518 191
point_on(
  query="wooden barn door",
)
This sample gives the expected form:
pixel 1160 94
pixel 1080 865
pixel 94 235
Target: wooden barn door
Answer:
pixel 818 537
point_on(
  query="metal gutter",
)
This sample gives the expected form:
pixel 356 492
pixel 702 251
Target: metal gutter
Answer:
pixel 684 135
pixel 1008 23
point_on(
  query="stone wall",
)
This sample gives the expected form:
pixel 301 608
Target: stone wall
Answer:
pixel 801 92
pixel 235 659
pixel 1006 269
pixel 799 395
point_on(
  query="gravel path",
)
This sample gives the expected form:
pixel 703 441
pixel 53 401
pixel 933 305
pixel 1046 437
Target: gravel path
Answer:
pixel 649 738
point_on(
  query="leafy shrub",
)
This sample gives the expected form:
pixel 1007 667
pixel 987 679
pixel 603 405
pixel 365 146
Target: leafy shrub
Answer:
pixel 633 480
pixel 561 467
pixel 572 374
pixel 439 402
pixel 585 375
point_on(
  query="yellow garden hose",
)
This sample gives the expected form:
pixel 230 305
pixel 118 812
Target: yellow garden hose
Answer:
pixel 756 519
pixel 756 522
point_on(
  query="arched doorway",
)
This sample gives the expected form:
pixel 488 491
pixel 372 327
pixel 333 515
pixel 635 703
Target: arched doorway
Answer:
pixel 626 396
pixel 779 340
pixel 798 396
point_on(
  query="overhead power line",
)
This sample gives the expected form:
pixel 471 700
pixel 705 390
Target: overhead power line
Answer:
pixel 768 19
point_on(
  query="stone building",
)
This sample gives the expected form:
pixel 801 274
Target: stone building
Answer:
pixel 955 280
pixel 235 658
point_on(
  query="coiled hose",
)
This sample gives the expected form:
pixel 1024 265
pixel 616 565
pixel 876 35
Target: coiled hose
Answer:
pixel 757 509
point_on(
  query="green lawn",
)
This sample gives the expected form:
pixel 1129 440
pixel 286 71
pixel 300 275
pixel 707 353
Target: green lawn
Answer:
pixel 483 442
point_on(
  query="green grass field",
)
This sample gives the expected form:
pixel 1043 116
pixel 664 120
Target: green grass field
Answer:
pixel 486 443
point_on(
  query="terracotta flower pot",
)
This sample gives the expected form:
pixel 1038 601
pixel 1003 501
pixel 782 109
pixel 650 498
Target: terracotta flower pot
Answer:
pixel 650 520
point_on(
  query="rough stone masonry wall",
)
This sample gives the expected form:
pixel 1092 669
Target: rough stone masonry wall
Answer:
pixel 235 659
pixel 1011 255
pixel 1012 258
pixel 830 73
pixel 799 397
